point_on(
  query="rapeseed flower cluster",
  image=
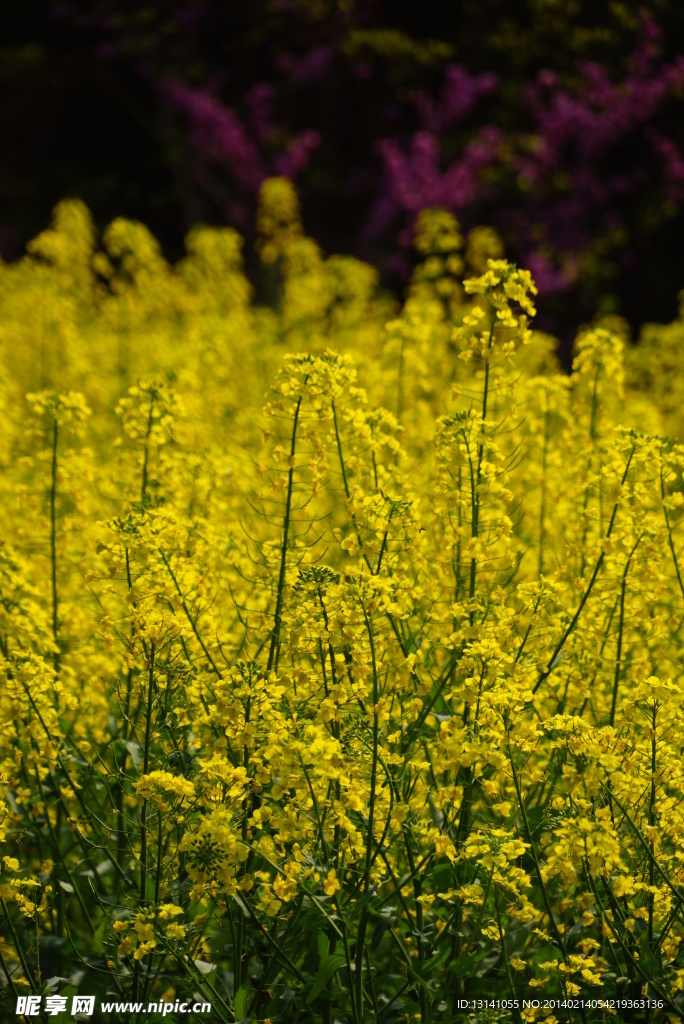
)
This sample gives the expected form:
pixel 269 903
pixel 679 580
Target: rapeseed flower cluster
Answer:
pixel 351 702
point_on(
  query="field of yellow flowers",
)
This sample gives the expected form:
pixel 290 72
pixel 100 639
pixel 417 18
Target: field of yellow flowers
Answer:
pixel 341 641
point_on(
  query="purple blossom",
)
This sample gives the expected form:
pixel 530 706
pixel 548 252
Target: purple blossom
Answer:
pixel 673 163
pixel 297 155
pixel 564 189
pixel 552 280
pixel 460 94
pixel 259 102
pixel 218 134
pixel 415 178
pixel 309 68
pixel 585 150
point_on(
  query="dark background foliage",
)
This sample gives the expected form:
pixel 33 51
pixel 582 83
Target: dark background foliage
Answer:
pixel 557 121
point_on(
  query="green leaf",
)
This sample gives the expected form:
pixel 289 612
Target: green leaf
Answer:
pixel 437 960
pixel 379 931
pixel 329 964
pixel 465 962
pixel 242 905
pixel 97 941
pixel 240 1002
pixel 203 966
pixel 133 749
pixel 646 957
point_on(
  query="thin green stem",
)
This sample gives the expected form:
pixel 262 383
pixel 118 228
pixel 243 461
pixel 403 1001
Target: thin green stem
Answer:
pixel 142 897
pixel 277 623
pixel 621 623
pixel 53 547
pixel 552 662
pixel 363 922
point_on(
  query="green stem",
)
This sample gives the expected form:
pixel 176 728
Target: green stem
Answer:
pixel 17 945
pixel 189 616
pixel 6 972
pixel 275 636
pixel 143 485
pixel 142 898
pixel 475 484
pixel 633 963
pixel 528 833
pixel 651 821
pixel 363 923
pixel 551 664
pixel 53 546
pixel 618 657
pixel 669 533
pixel 542 501
pixel 509 976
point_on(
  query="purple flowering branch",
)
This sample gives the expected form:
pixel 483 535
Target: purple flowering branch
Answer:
pixel 561 186
pixel 220 138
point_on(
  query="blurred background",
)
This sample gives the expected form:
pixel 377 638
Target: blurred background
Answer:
pixel 557 122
